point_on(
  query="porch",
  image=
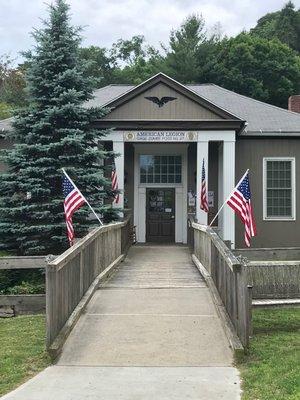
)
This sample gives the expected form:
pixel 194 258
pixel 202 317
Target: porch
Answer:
pixel 160 177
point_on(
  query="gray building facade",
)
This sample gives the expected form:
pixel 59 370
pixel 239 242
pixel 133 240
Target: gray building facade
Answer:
pixel 162 131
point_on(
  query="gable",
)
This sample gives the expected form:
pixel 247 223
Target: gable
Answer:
pixel 182 107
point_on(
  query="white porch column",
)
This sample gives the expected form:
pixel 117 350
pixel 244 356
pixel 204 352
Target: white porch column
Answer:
pixel 202 152
pixel 228 178
pixel 220 187
pixel 118 148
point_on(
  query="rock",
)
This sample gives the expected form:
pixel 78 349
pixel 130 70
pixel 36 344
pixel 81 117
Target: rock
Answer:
pixel 7 312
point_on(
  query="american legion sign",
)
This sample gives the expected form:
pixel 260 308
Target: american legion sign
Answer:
pixel 160 136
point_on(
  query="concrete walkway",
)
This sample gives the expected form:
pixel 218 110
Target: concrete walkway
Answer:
pixel 150 332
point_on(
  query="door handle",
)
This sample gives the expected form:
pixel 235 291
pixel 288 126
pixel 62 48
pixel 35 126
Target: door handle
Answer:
pixel 173 216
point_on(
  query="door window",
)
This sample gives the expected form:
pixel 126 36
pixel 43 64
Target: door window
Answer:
pixel 160 201
pixel 160 218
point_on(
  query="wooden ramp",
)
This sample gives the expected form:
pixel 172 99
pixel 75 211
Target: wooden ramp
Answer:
pixel 155 311
pixel 150 331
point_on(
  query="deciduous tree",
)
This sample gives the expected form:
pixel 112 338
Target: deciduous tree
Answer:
pixel 283 25
pixel 266 70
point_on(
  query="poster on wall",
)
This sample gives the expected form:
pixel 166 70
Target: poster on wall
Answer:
pixel 191 199
pixel 210 198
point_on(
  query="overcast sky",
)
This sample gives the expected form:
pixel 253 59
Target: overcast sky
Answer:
pixel 105 21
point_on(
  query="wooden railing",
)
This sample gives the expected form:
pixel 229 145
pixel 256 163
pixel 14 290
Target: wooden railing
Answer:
pixel 72 277
pixel 22 262
pixel 229 279
pixel 274 279
pixel 274 273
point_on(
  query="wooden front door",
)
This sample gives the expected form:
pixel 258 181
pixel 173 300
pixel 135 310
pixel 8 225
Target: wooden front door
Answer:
pixel 160 215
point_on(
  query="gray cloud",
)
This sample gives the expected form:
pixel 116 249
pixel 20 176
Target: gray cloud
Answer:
pixel 105 21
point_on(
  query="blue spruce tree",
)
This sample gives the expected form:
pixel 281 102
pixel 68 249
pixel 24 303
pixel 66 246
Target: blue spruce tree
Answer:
pixel 55 131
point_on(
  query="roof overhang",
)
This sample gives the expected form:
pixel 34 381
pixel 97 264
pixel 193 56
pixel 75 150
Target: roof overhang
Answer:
pixel 273 134
pixel 225 124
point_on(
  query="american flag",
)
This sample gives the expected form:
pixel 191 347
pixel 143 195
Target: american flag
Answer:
pixel 203 197
pixel 114 183
pixel 73 201
pixel 240 202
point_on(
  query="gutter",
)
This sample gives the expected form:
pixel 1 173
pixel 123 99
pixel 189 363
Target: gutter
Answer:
pixel 266 133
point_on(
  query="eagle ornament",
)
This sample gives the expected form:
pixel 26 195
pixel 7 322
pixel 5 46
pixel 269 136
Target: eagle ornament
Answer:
pixel 162 101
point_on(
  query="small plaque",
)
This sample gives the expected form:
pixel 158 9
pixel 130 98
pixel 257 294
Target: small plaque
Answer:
pixel 191 199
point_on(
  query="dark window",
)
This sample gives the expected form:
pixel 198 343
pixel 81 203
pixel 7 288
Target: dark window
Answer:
pixel 160 169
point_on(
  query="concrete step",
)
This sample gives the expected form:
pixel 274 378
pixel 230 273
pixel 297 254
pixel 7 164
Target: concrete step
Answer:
pixel 119 383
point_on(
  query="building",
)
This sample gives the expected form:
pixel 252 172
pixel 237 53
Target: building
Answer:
pixel 162 132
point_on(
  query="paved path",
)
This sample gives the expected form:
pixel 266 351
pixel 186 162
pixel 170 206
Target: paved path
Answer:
pixel 150 332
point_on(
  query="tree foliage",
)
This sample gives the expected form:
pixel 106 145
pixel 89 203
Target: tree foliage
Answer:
pixel 193 54
pixel 5 110
pixel 283 25
pixel 143 68
pixel 266 70
pixel 100 65
pixel 53 132
pixel 182 58
pixel 12 86
pixel 129 51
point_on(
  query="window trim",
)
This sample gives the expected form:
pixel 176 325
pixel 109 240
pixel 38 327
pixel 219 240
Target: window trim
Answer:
pixel 293 180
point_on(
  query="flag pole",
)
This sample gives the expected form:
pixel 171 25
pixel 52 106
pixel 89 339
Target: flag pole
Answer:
pixel 63 170
pixel 220 209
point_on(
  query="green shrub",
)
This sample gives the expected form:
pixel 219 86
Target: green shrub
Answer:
pixel 4 253
pixel 5 110
pixel 27 288
pixel 26 281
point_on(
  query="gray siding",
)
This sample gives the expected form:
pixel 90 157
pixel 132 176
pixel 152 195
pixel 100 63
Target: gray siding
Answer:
pixel 192 166
pixel 129 175
pixel 181 108
pixel 249 154
pixel 212 173
pixel 213 160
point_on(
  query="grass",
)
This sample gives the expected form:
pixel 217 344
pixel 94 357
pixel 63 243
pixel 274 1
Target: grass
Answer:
pixel 22 350
pixel 271 369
